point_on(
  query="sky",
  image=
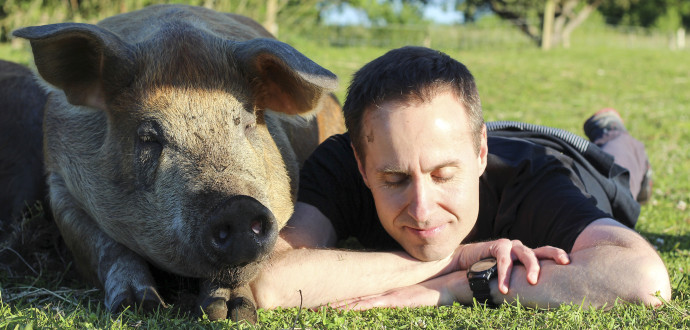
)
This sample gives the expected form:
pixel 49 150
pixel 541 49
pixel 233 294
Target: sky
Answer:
pixel 440 11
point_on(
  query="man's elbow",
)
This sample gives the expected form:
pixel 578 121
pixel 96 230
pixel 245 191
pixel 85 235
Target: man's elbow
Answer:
pixel 654 285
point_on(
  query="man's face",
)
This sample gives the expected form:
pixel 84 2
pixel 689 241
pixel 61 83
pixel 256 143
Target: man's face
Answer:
pixel 423 172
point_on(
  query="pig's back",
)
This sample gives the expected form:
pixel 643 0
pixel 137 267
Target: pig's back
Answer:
pixel 145 24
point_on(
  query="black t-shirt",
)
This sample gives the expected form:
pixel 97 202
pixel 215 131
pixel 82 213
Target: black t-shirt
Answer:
pixel 529 192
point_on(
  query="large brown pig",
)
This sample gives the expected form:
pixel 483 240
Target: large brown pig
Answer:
pixel 169 140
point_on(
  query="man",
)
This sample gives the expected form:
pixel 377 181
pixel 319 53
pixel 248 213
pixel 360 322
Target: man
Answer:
pixel 429 193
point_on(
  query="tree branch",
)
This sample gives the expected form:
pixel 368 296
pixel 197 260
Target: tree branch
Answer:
pixel 519 21
pixel 581 16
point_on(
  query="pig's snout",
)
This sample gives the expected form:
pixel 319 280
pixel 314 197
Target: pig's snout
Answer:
pixel 240 231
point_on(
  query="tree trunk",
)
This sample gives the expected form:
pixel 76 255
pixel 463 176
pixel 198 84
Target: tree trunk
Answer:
pixel 549 12
pixel 680 38
pixel 524 26
pixel 271 17
pixel 577 20
pixel 566 14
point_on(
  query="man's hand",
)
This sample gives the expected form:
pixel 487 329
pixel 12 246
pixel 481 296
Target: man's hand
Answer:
pixel 506 252
pixel 430 293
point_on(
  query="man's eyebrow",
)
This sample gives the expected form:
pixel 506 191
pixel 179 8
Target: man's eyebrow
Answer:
pixel 390 169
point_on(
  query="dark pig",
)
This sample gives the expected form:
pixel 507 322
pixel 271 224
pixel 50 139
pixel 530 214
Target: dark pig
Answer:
pixel 169 139
pixel 21 155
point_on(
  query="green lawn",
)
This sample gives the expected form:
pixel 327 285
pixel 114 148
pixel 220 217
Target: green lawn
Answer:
pixel 561 88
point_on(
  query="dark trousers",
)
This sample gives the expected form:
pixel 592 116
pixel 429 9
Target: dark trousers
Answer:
pixel 627 152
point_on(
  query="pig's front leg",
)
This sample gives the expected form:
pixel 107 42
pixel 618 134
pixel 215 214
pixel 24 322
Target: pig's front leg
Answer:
pixel 124 275
pixel 126 279
pixel 219 302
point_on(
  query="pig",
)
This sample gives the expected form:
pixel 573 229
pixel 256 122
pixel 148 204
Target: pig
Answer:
pixel 170 138
pixel 21 157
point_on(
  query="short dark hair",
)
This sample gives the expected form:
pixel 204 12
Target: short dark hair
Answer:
pixel 410 74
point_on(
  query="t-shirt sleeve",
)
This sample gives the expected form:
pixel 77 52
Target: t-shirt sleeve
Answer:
pixel 330 181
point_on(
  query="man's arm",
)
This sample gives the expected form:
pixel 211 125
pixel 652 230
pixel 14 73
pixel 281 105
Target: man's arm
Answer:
pixel 303 271
pixel 314 276
pixel 608 261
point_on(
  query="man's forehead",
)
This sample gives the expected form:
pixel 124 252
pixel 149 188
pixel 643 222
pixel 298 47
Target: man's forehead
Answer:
pixel 377 117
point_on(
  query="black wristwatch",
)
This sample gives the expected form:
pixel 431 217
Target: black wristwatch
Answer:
pixel 479 275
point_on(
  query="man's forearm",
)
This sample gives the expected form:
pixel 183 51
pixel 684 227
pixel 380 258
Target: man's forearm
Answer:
pixel 595 277
pixel 608 262
pixel 324 276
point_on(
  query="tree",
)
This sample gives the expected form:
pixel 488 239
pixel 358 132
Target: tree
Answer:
pixel 298 14
pixel 670 16
pixel 289 13
pixel 381 12
pixel 554 19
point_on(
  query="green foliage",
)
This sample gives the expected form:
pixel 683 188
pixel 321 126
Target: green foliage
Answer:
pixel 666 15
pixel 382 13
pixel 527 15
pixel 525 9
pixel 297 15
pixel 559 88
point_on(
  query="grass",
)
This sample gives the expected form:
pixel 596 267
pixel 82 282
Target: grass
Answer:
pixel 560 88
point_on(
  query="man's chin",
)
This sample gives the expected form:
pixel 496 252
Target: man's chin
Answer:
pixel 428 253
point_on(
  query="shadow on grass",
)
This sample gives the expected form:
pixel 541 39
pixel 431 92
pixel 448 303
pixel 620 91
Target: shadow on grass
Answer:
pixel 667 242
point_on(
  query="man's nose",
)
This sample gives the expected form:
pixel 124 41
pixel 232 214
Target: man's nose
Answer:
pixel 421 201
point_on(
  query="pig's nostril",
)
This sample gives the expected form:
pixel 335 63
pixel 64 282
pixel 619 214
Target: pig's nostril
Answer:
pixel 256 227
pixel 221 238
pixel 223 235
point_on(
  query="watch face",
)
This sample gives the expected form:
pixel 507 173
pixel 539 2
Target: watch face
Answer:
pixel 483 265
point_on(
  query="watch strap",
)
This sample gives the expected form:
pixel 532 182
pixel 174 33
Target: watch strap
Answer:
pixel 481 291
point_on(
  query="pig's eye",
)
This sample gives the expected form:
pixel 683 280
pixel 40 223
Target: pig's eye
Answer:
pixel 147 153
pixel 250 127
pixel 148 138
pixel 149 132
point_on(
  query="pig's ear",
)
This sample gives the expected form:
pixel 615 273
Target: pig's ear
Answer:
pixel 84 60
pixel 283 79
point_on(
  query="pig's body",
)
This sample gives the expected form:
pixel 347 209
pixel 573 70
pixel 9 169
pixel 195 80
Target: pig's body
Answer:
pixel 166 142
pixel 21 156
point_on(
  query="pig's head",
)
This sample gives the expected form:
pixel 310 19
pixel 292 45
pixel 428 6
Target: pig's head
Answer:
pixel 176 157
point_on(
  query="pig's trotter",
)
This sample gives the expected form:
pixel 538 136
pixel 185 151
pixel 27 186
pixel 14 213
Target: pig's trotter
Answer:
pixel 219 303
pixel 241 308
pixel 213 300
pixel 241 305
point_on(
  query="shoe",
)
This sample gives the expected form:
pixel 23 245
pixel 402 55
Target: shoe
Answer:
pixel 603 123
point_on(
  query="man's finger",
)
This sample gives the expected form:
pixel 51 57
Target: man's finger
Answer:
pixel 553 253
pixel 357 306
pixel 502 252
pixel 352 302
pixel 529 260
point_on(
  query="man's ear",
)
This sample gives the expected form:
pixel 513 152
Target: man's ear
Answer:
pixel 483 152
pixel 360 166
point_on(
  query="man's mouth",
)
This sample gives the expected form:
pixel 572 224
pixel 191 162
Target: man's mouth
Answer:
pixel 426 232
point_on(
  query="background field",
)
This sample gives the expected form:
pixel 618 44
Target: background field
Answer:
pixel 648 85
